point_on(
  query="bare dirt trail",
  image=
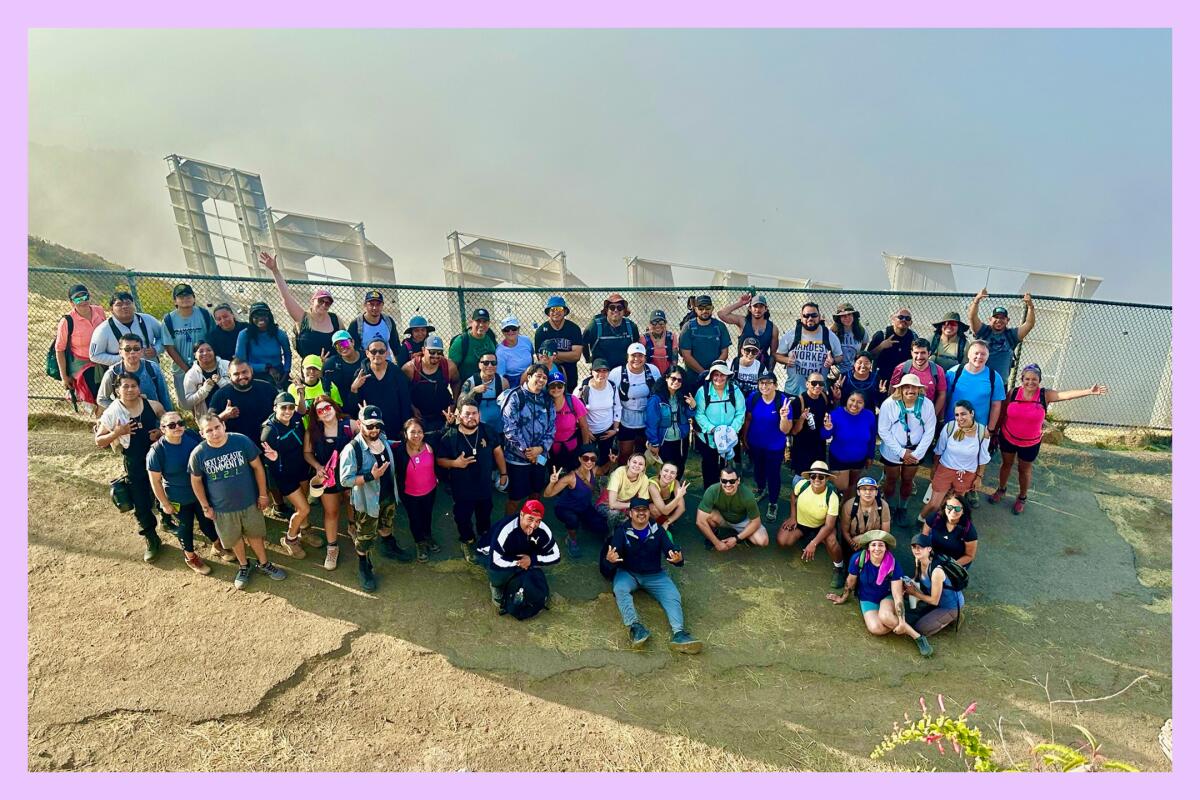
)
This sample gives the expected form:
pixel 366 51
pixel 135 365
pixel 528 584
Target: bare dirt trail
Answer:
pixel 154 668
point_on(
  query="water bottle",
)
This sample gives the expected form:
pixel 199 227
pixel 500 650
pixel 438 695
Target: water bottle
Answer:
pixel 811 421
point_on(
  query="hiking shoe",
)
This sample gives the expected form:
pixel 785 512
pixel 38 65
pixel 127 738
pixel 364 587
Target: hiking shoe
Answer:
pixel 153 545
pixel 394 551
pixel 468 551
pixel 331 557
pixel 1019 505
pixel 422 552
pixel 973 499
pixel 772 512
pixel 573 548
pixel 434 547
pixel 271 571
pixel 759 494
pixel 683 642
pixel 924 646
pixel 312 540
pixel 638 635
pixel 838 580
pixel 997 496
pixel 221 553
pixel 292 546
pixel 242 578
pixel 366 574
pixel 196 563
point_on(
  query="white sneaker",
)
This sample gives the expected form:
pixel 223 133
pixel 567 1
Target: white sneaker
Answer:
pixel 331 556
pixel 291 547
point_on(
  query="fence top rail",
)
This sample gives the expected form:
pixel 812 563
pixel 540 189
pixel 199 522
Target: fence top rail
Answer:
pixel 187 276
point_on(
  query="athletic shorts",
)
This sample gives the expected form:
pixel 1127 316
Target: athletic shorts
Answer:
pixel 525 479
pixel 631 434
pixel 1027 454
pixel 233 525
pixel 836 465
pixel 946 478
pixel 291 482
pixel 888 462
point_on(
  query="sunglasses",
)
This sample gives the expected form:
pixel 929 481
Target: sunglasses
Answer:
pixel 809 316
pixel 749 349
pixel 729 481
pixel 510 329
pixel 674 379
pixel 816 383
pixel 587 458
pixel 131 349
pixel 378 352
pixel 953 508
pixel 904 317
pixel 172 425
pixel 323 408
pixel 433 352
pixel 324 301
pixel 81 298
pixel 489 362
pixel 616 306
pixel 373 426
pixel 557 308
pixel 345 344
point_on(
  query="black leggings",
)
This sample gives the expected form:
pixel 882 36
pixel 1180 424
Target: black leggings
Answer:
pixel 710 463
pixel 420 514
pixel 143 498
pixel 188 514
pixel 675 452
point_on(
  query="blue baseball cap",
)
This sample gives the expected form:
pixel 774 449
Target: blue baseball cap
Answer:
pixel 556 376
pixel 434 343
pixel 867 480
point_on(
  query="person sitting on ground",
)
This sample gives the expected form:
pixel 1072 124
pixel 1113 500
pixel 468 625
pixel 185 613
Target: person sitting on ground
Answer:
pixel 562 339
pixel 866 512
pixel 133 362
pixel 184 328
pixel 315 325
pixel 603 406
pixel 634 554
pixel 224 336
pixel 130 426
pixel 940 602
pixel 341 368
pixel 850 431
pixel 577 508
pixel 878 580
pixel 265 347
pixel 519 542
pixel 282 441
pixel 374 324
pixel 432 396
pixel 467 453
pixel 312 385
pixel 231 486
pixel 729 506
pixel 207 374
pixel 952 531
pixel 669 412
pixel 72 346
pixel 367 470
pixel 625 483
pixel 570 422
pixel 105 347
pixel 906 427
pixel 1001 340
pixel 1020 429
pixel 813 519
pixel 960 457
pixel 167 465
pixel 668 495
pixel 756 325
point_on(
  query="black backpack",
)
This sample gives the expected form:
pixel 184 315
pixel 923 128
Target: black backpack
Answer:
pixel 948 411
pixel 668 343
pixel 52 357
pixel 825 337
pixel 957 576
pixel 525 594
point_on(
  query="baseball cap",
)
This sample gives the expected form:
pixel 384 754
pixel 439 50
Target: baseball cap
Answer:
pixel 750 341
pixel 759 300
pixel 534 508
pixel 921 540
pixel 77 289
pixel 639 502
pixel 370 413
pixel 703 300
pixel 999 311
pixel 636 347
pixel 434 343
pixel 768 376
pixel 342 336
pixel 322 293
pixel 373 296
pixel 481 315
pixel 867 480
pixel 285 397
pixel 658 315
pixel 120 295
pixel 312 360
pixel 182 289
pixel 510 322
pixel 556 377
pixel 599 363
pixel 720 367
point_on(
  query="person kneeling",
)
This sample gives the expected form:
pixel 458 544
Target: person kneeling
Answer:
pixel 730 506
pixel 520 546
pixel 633 560
pixel 879 581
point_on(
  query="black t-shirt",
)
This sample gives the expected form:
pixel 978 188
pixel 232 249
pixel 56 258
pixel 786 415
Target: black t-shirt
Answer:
pixel 431 396
pixel 254 406
pixel 952 544
pixel 393 395
pixel 225 342
pixel 339 372
pixel 819 408
pixel 474 481
pixel 387 493
pixel 570 336
pixel 887 360
pixel 288 441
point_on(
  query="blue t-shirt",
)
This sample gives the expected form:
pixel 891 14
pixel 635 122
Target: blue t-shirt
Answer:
pixel 764 423
pixel 705 341
pixel 228 477
pixel 172 461
pixel 512 361
pixel 1001 347
pixel 973 388
pixel 188 332
pixel 868 590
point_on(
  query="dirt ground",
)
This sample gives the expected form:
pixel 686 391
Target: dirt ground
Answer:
pixel 137 667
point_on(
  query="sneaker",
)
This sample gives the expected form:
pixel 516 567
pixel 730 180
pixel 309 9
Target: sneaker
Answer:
pixel 422 552
pixel 434 547
pixel 772 512
pixel 221 553
pixel 291 546
pixel 638 635
pixel 331 557
pixel 573 548
pixel 997 496
pixel 468 551
pixel 683 642
pixel 924 646
pixel 707 544
pixel 271 571
pixel 394 551
pixel 366 574
pixel 973 499
pixel 153 545
pixel 312 540
pixel 759 494
pixel 242 577
pixel 196 563
pixel 1019 505
pixel 839 578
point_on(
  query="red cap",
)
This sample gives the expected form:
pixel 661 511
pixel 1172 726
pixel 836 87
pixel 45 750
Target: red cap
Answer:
pixel 534 507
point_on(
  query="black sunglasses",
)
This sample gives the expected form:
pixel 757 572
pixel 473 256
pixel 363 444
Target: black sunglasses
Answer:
pixel 816 383
pixel 378 352
pixel 904 317
pixel 172 425
pixel 809 316
pixel 729 481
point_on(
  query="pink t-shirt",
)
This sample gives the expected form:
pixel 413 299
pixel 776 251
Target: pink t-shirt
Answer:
pixel 566 420
pixel 1023 419
pixel 81 331
pixel 419 479
pixel 934 388
pixel 658 356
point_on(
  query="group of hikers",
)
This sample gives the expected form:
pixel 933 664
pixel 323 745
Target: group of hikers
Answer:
pixel 596 422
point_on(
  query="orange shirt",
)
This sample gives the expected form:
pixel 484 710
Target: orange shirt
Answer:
pixel 81 332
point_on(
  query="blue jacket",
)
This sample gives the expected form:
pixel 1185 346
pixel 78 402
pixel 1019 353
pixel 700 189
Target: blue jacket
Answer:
pixel 642 556
pixel 658 418
pixel 261 350
pixel 712 412
pixel 528 421
pixel 366 497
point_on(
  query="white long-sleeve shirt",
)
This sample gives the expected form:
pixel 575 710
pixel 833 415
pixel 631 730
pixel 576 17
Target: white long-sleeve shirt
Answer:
pixel 893 436
pixel 104 347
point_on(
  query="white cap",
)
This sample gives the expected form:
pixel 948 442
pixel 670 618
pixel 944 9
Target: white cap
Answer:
pixel 636 347
pixel 510 322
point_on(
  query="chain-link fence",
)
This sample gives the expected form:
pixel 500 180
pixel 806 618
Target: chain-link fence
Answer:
pixel 1076 342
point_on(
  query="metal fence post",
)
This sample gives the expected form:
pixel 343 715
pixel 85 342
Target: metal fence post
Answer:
pixel 137 303
pixel 462 307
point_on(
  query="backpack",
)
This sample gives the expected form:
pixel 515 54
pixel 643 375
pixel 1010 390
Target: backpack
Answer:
pixel 585 391
pixel 668 342
pixel 854 506
pixel 623 387
pixel 957 576
pixel 937 337
pixel 207 317
pixel 906 369
pixel 862 560
pixel 112 326
pixel 525 594
pixel 829 490
pixel 599 320
pixel 825 336
pixel 958 371
pixel 514 391
pixel 52 358
pixel 459 338
pixel 1003 415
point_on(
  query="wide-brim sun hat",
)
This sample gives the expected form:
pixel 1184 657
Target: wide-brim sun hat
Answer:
pixel 846 308
pixel 910 380
pixel 817 468
pixel 877 536
pixel 557 301
pixel 419 322
pixel 721 368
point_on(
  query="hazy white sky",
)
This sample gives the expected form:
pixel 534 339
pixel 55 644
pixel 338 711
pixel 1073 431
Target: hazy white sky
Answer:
pixel 789 152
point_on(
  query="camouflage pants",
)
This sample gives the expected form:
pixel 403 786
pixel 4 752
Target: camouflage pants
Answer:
pixel 369 527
